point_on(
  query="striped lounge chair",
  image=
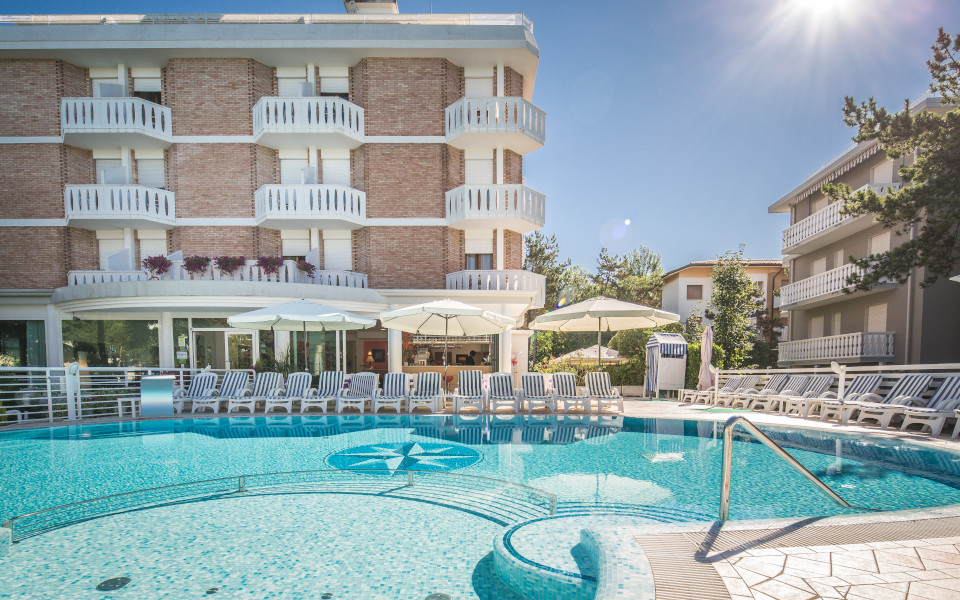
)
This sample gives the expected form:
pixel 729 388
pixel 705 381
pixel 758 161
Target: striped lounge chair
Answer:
pixel 940 408
pixel 329 384
pixel 706 396
pixel 565 388
pixel 772 387
pixel 426 393
pixel 907 392
pixel 534 393
pixel 502 394
pixel 843 408
pixel 809 402
pixel 747 385
pixel 234 383
pixel 794 386
pixel 360 391
pixel 396 386
pixel 201 386
pixel 599 389
pixel 263 384
pixel 469 391
pixel 298 384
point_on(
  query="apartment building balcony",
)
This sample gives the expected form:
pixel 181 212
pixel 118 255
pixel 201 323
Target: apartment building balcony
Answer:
pixel 96 123
pixel 287 206
pixel 823 288
pixel 483 123
pixel 827 225
pixel 118 206
pixel 867 346
pixel 250 272
pixel 329 122
pixel 505 280
pixel 511 206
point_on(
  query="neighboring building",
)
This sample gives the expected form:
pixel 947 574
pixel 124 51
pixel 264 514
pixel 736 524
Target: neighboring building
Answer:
pixel 892 323
pixel 385 149
pixel 687 290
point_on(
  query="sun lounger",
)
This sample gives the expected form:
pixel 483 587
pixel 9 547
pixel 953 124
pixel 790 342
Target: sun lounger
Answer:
pixel 360 391
pixel 843 408
pixel 426 393
pixel 396 386
pixel 263 384
pixel 599 389
pixel 565 387
pixel 706 396
pixel 794 387
pixel 201 386
pixel 469 392
pixel 942 406
pixel 817 391
pixel 329 384
pixel 907 392
pixel 534 393
pixel 298 384
pixel 772 387
pixel 234 383
pixel 747 384
pixel 502 393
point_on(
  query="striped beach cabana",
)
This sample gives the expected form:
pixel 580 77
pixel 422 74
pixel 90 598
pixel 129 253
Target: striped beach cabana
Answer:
pixel 666 362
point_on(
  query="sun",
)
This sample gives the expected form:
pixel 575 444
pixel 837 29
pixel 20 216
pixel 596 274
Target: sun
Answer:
pixel 823 7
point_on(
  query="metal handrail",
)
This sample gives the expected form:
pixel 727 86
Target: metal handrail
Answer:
pixel 728 465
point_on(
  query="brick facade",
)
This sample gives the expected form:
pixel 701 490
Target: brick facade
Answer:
pixel 512 167
pixel 32 177
pixel 216 180
pixel 33 258
pixel 216 241
pixel 82 248
pixel 512 250
pixel 512 82
pixel 395 257
pixel 406 180
pixel 31 107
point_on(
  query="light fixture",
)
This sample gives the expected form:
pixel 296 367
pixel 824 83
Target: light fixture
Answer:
pixel 370 358
pixel 837 367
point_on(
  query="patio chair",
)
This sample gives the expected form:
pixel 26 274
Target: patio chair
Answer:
pixel 817 390
pixel 794 386
pixel 469 392
pixel 298 384
pixel 940 408
pixel 747 385
pixel 329 384
pixel 234 383
pixel 536 430
pixel 844 407
pixel 426 393
pixel 361 390
pixel 599 389
pixel 263 384
pixel 503 428
pixel 907 392
pixel 396 386
pixel 534 393
pixel 201 385
pixel 772 387
pixel 502 393
pixel 565 388
pixel 732 385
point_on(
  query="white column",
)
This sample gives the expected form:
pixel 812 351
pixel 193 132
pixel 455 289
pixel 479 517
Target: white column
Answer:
pixel 344 343
pixel 311 73
pixel 122 77
pixel 314 237
pixel 53 337
pixel 337 362
pixel 281 342
pixel 166 341
pixel 500 249
pixel 500 79
pixel 499 165
pixel 394 350
pixel 126 161
pixel 506 352
pixel 313 159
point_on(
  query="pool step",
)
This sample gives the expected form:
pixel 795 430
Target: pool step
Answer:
pixel 661 514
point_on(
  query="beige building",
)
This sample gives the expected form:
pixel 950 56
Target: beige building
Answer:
pixel 892 323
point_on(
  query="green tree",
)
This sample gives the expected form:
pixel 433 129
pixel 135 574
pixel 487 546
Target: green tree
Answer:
pixel 607 279
pixel 641 278
pixel 543 257
pixel 927 209
pixel 734 305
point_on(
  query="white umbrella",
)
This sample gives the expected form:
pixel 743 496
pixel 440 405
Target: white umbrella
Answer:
pixel 706 355
pixel 446 318
pixel 301 315
pixel 601 314
pixel 584 355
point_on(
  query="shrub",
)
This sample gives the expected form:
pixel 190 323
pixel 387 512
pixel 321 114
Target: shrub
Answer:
pixel 229 264
pixel 196 265
pixel 158 265
pixel 8 361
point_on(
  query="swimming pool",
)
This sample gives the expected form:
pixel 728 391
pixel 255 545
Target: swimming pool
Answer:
pixel 646 470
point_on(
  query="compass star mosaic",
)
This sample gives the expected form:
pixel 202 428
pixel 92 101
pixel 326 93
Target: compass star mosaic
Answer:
pixel 416 456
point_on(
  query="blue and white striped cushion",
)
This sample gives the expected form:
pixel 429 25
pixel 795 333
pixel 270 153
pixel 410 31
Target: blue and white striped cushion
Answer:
pixel 297 385
pixel 775 383
pixel 909 385
pixel 732 384
pixel 201 385
pixel 819 384
pixel 395 385
pixel 796 383
pixel 428 385
pixel 266 382
pixel 598 384
pixel 470 383
pixel 565 384
pixel 501 385
pixel 330 384
pixel 362 385
pixel 234 382
pixel 749 382
pixel 863 384
pixel 949 390
pixel 533 385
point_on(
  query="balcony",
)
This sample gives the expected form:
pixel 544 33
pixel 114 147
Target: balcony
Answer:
pixel 329 122
pixel 97 123
pixel 482 123
pixel 118 206
pixel 508 280
pixel 511 206
pixel 850 347
pixel 827 225
pixel 823 288
pixel 250 272
pixel 283 206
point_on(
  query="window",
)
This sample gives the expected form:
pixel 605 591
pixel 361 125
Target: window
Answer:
pixel 478 171
pixel 24 342
pixel 146 84
pixel 478 87
pixel 835 328
pixel 880 243
pixel 818 204
pixel 150 173
pixel 295 243
pixel 478 262
pixel 111 343
pixel 109 242
pixel 152 243
pixel 335 86
pixel 337 250
pixel 815 327
pixel 291 170
pixel 336 171
pixel 694 292
pixel 110 171
pixel 876 317
pixel 838 259
pixel 818 266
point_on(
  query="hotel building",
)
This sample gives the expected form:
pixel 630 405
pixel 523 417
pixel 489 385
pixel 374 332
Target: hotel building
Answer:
pixel 386 150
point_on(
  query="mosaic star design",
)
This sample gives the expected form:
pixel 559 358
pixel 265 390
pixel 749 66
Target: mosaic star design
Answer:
pixel 415 456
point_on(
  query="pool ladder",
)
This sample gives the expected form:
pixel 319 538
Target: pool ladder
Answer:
pixel 728 465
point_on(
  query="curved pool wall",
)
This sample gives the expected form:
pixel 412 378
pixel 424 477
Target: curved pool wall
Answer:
pixel 607 463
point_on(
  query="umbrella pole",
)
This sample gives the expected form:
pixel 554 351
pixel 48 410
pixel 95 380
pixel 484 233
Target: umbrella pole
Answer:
pixel 599 331
pixel 446 331
pixel 306 346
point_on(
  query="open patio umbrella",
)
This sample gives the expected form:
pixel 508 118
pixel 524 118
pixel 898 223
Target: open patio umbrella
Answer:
pixel 301 315
pixel 603 314
pixel 706 355
pixel 446 318
pixel 589 354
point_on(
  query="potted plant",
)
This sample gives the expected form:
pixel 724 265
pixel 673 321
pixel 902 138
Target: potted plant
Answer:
pixel 157 265
pixel 196 265
pixel 229 264
pixel 270 265
pixel 307 268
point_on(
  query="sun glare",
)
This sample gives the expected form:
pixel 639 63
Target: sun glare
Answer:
pixel 823 7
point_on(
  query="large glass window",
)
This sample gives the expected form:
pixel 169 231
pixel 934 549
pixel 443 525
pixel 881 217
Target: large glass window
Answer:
pixel 23 341
pixel 111 343
pixel 478 261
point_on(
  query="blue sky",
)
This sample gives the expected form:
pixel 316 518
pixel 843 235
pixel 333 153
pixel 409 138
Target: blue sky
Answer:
pixel 686 117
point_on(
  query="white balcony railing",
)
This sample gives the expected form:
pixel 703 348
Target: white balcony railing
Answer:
pixel 289 273
pixel 304 202
pixel 133 203
pixel 499 202
pixel 829 282
pixel 496 115
pixel 862 346
pixel 826 218
pixel 105 115
pixel 507 280
pixel 308 115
